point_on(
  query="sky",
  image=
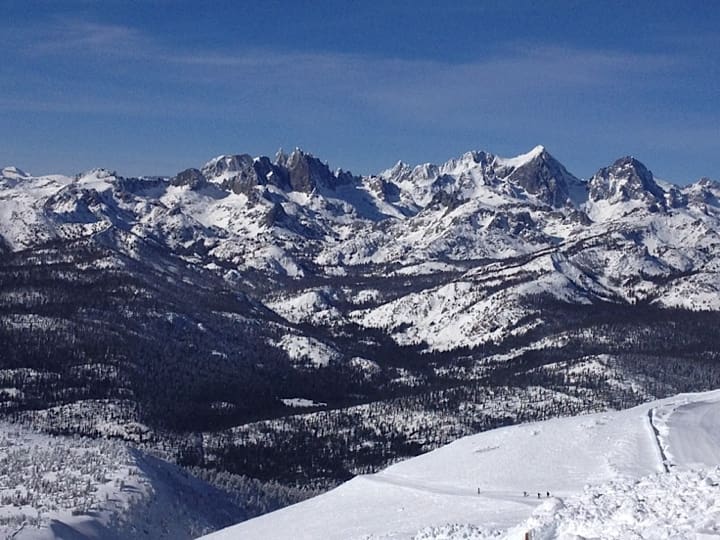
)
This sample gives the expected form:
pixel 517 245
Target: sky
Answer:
pixel 150 88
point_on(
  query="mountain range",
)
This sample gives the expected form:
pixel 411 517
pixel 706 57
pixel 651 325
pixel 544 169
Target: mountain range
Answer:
pixel 278 322
pixel 295 234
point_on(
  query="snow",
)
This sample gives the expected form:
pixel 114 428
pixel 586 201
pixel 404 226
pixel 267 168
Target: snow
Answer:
pixel 97 179
pixel 647 472
pixel 55 488
pixel 460 313
pixel 425 269
pixel 303 350
pixel 13 172
pixel 606 210
pixel 691 432
pixel 489 217
pixel 22 222
pixel 302 402
pixel 522 159
pixel 275 257
pixel 311 306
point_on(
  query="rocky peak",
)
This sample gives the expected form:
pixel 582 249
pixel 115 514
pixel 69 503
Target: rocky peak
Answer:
pixel 625 180
pixel 281 158
pixel 241 173
pixel 298 171
pixel 540 174
pixel 536 173
pixel 399 171
pixel 469 160
pixel 222 165
pixel 306 172
pixel 383 188
pixel 189 177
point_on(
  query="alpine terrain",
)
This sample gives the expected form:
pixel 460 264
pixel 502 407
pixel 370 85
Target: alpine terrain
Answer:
pixel 261 330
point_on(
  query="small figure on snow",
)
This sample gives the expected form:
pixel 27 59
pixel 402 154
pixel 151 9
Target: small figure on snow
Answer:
pixel 548 494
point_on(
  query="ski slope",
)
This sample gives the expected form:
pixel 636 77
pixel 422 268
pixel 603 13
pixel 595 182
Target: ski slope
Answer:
pixel 647 472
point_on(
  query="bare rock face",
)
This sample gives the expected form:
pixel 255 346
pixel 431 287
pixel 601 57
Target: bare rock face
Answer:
pixel 241 173
pixel 225 165
pixel 546 178
pixel 276 215
pixel 384 189
pixel 237 173
pixel 189 177
pixel 625 180
pixel 306 172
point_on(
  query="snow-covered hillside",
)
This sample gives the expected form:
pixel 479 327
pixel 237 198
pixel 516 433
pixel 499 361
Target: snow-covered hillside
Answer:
pixel 73 488
pixel 648 472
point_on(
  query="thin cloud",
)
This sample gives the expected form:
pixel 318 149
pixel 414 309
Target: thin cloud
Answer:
pixel 63 36
pixel 521 79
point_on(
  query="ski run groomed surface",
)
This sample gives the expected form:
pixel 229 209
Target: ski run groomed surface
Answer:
pixel 647 472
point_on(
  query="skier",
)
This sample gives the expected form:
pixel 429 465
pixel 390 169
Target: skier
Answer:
pixel 548 494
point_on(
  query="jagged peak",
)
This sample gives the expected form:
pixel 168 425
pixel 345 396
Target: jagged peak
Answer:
pixel 468 160
pixel 426 168
pixel 281 157
pixel 631 162
pixel 537 172
pixel 473 155
pixel 299 153
pixel 397 172
pixel 626 179
pixel 400 165
pixel 628 168
pixel 470 157
pixel 189 177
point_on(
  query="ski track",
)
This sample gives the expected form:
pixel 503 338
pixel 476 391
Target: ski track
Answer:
pixel 407 483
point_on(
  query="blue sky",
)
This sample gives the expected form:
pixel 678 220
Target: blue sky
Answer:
pixel 155 87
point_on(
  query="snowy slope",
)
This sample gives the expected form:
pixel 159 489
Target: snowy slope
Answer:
pixel 652 468
pixel 74 488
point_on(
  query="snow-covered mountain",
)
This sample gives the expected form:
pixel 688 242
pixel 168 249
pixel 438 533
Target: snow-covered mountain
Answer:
pixel 332 323
pixel 460 255
pixel 652 471
pixel 618 236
